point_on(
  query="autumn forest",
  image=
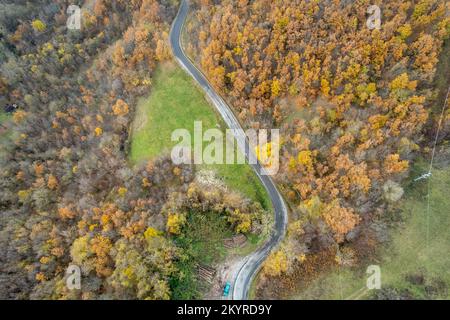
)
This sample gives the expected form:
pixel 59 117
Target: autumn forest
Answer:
pixel 358 109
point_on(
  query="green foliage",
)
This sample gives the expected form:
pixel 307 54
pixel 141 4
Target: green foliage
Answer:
pixel 201 242
pixel 173 103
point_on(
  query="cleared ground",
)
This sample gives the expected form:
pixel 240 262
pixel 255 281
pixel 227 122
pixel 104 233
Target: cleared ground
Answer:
pixel 175 103
pixel 202 243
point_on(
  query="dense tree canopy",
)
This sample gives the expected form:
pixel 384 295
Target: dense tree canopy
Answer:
pixel 351 102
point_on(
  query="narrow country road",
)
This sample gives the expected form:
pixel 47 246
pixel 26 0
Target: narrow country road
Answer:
pixel 253 262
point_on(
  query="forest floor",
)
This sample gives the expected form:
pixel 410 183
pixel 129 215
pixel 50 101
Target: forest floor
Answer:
pixel 415 262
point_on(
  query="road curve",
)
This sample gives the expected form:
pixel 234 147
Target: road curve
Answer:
pixel 252 262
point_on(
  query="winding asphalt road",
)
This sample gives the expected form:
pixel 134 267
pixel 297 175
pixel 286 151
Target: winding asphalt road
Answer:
pixel 253 262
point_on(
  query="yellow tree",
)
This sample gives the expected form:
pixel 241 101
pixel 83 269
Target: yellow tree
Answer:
pixel 276 264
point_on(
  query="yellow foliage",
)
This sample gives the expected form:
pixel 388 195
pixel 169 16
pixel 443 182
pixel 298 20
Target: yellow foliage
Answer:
pixel 40 276
pixel 293 90
pixel 23 194
pixel 46 48
pixel 292 163
pixel 305 158
pixel 175 222
pixel 19 116
pixel 275 88
pixel 129 273
pixel 276 264
pixel 393 164
pixel 146 183
pixel 378 121
pixel 98 131
pixel 302 257
pixel 402 82
pixel 242 221
pixel 176 171
pixel 325 87
pixel 237 50
pixel 38 25
pixel 371 87
pixel 245 223
pixel 44 260
pixel 80 250
pixel 404 31
pixel 151 233
pixel 104 219
pixel 122 191
pixel 264 154
pixel 313 206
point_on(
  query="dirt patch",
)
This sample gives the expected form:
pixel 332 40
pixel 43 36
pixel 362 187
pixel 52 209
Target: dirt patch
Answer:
pixel 168 65
pixel 140 120
pixel 208 179
pixel 226 272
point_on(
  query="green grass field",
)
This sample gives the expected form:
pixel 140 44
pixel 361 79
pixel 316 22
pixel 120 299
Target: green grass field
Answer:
pixel 174 103
pixel 416 262
pixel 3 116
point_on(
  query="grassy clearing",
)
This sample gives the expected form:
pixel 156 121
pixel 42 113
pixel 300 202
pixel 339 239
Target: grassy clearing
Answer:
pixel 415 263
pixel 174 103
pixel 3 117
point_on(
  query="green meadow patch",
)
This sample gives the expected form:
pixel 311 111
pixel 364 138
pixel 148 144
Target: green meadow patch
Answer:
pixel 175 102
